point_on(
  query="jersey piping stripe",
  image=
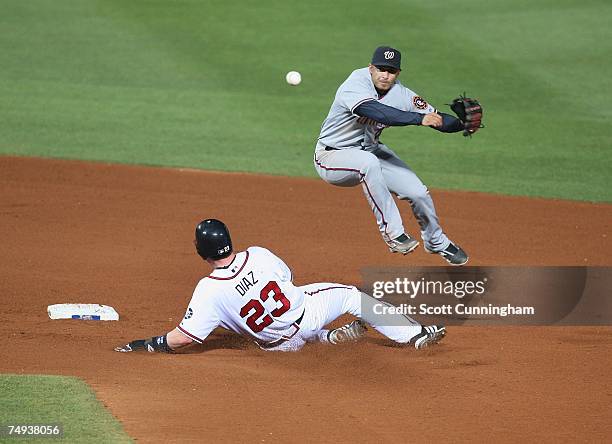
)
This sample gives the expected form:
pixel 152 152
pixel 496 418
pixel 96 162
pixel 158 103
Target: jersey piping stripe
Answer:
pixel 228 265
pixel 237 273
pixel 189 335
pixel 362 179
pixel 310 293
pixel 375 204
pixel 369 99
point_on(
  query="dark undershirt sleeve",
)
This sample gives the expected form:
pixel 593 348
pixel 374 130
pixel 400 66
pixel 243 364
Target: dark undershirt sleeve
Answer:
pixel 450 124
pixel 388 115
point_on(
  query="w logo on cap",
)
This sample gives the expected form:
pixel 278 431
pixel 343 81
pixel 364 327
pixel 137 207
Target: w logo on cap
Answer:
pixel 387 56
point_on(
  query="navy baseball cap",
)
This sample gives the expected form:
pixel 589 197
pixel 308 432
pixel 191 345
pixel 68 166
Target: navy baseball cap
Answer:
pixel 387 56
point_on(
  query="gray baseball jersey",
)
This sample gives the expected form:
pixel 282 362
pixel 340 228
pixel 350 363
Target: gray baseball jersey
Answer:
pixel 343 129
pixel 357 157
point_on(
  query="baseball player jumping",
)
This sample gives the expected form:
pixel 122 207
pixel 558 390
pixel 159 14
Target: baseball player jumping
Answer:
pixel 251 293
pixel 349 151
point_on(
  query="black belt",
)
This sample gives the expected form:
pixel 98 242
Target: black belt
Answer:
pixel 283 339
pixel 331 148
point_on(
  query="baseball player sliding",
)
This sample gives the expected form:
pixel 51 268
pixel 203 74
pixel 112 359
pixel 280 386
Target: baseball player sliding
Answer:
pixel 251 293
pixel 349 151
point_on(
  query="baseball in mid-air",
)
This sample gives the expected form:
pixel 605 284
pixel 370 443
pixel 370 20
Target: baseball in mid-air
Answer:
pixel 293 78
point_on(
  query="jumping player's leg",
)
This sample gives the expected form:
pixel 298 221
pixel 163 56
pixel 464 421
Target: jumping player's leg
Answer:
pixel 403 182
pixel 348 168
pixel 325 302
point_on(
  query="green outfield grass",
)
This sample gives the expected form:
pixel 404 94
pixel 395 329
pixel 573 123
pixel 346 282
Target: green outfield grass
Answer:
pixel 32 399
pixel 201 84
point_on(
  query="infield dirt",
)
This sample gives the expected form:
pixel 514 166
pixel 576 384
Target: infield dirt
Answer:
pixel 122 236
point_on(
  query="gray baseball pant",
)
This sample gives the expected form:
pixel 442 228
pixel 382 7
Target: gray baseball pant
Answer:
pixel 381 173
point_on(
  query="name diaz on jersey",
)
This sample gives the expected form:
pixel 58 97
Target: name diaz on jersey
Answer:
pixel 247 282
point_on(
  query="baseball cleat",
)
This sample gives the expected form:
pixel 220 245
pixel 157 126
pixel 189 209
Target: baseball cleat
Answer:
pixel 347 333
pixel 403 244
pixel 453 254
pixel 431 334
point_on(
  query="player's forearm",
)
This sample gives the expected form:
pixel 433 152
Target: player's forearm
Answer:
pixel 450 124
pixel 177 340
pixel 168 343
pixel 388 115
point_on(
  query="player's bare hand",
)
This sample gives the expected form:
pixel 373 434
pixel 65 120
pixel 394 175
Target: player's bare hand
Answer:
pixel 432 119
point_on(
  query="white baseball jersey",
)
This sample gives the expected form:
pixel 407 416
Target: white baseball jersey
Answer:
pixel 343 129
pixel 253 296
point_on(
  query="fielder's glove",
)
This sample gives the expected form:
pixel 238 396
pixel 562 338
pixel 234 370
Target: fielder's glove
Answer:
pixel 469 111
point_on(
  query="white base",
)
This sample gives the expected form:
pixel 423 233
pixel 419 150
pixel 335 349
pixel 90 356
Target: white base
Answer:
pixel 94 312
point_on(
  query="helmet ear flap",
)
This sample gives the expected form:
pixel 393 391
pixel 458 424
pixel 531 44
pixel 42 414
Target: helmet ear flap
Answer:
pixel 196 244
pixel 212 239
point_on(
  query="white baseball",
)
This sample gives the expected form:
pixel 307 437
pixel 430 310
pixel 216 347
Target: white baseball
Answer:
pixel 293 78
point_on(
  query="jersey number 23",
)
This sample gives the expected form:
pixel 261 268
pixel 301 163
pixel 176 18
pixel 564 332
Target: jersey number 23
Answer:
pixel 254 309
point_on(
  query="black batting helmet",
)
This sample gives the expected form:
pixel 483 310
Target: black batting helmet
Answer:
pixel 212 239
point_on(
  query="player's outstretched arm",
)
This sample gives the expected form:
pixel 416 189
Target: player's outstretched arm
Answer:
pixel 433 120
pixel 168 343
pixel 177 340
pixel 388 115
pixel 449 124
pixel 394 117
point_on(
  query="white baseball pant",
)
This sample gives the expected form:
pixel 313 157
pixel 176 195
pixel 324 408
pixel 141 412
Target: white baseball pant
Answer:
pixel 325 302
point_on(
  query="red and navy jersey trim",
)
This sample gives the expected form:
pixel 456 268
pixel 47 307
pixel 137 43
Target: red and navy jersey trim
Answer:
pixel 310 293
pixel 246 259
pixel 189 335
